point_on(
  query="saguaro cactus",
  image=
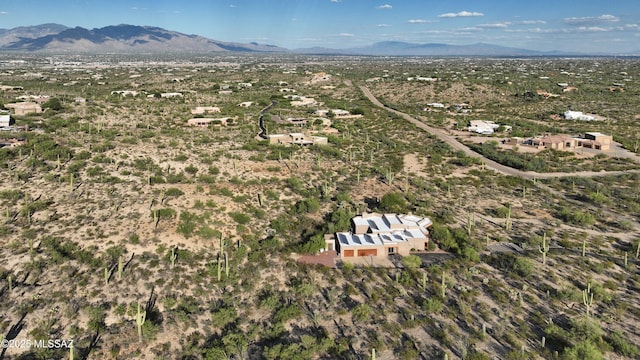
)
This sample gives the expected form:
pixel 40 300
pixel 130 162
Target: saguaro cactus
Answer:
pixel 587 298
pixel 120 267
pixel 388 175
pixel 226 264
pixel 443 286
pixel 106 275
pixel 544 248
pixel 173 257
pixel 507 223
pixel 471 220
pixel 141 316
pixel 10 281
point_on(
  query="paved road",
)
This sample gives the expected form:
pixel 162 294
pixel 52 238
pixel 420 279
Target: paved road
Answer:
pixel 263 129
pixel 455 144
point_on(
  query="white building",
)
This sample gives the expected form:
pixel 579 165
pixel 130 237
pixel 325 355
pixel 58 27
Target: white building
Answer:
pixel 125 93
pixel 484 127
pixel 297 139
pixel 577 115
pixel 436 105
pixel 170 95
pixel 5 118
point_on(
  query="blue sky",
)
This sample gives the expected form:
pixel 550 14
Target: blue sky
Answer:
pixel 585 25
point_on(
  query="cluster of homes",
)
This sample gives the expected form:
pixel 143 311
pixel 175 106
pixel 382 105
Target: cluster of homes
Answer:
pixel 201 121
pixel 379 235
pixel 298 138
pixel 134 93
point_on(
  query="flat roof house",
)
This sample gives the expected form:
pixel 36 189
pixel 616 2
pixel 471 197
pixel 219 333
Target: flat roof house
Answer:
pixel 24 108
pixel 555 142
pixel 296 138
pixel 596 140
pixel 205 122
pixel 484 127
pixel 380 235
pixel 199 110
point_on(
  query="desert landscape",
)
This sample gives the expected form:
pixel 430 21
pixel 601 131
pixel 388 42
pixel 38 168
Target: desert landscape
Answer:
pixel 137 236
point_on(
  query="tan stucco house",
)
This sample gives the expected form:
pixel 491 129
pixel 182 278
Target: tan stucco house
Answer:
pixel 379 235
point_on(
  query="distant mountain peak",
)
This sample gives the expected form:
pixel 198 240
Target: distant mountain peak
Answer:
pixel 116 38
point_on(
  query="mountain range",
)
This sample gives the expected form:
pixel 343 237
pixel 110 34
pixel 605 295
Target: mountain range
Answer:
pixel 116 39
pixel 147 39
pixel 398 48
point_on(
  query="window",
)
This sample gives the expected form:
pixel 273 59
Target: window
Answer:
pixel 391 250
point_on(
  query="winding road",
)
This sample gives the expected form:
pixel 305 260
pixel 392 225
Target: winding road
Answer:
pixel 506 170
pixel 263 129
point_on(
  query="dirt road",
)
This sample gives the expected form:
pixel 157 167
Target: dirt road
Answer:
pixel 506 170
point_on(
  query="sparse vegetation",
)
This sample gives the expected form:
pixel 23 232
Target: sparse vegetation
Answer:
pixel 122 227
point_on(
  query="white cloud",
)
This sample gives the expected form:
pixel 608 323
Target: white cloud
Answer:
pixel 461 14
pixel 532 30
pixel 417 21
pixel 385 6
pixel 233 6
pixel 3 13
pixel 335 1
pixel 532 22
pixel 593 29
pixel 346 35
pixel 590 20
pixel 383 25
pixel 501 25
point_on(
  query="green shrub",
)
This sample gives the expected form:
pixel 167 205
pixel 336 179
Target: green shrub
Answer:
pixel 393 202
pixel 240 218
pixel 412 261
